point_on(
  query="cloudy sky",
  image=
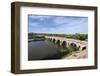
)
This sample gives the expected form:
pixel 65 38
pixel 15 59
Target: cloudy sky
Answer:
pixel 57 24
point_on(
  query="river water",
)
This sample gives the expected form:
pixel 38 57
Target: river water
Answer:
pixel 43 50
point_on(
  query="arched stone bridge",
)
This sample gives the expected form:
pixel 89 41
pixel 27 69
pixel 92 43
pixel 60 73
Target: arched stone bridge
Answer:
pixel 68 42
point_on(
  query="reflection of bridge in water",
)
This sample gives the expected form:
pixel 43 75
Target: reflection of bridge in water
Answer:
pixel 68 42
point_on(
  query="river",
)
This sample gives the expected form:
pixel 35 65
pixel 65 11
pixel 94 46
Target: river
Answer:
pixel 43 50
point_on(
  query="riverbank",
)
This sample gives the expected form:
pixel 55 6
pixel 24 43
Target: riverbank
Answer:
pixel 77 55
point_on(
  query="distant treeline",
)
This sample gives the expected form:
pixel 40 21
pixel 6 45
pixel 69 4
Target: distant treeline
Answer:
pixel 35 35
pixel 73 36
pixel 31 35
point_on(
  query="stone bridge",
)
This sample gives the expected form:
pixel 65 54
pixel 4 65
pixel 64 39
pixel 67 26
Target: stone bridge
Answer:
pixel 66 42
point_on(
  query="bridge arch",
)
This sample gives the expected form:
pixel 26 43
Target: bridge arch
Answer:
pixel 73 45
pixel 54 40
pixel 58 42
pixel 83 48
pixel 50 39
pixel 64 44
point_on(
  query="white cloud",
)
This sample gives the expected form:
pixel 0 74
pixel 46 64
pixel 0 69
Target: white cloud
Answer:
pixel 33 24
pixel 40 17
pixel 60 20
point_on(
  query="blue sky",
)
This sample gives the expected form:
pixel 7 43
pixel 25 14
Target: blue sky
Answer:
pixel 57 24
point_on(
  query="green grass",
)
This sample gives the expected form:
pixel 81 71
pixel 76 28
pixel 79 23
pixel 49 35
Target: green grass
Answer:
pixel 69 50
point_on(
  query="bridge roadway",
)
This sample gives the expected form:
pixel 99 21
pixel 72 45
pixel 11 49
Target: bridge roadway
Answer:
pixel 67 42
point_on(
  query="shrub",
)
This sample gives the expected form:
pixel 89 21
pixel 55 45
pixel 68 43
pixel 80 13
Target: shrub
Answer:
pixel 70 49
pixel 66 52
